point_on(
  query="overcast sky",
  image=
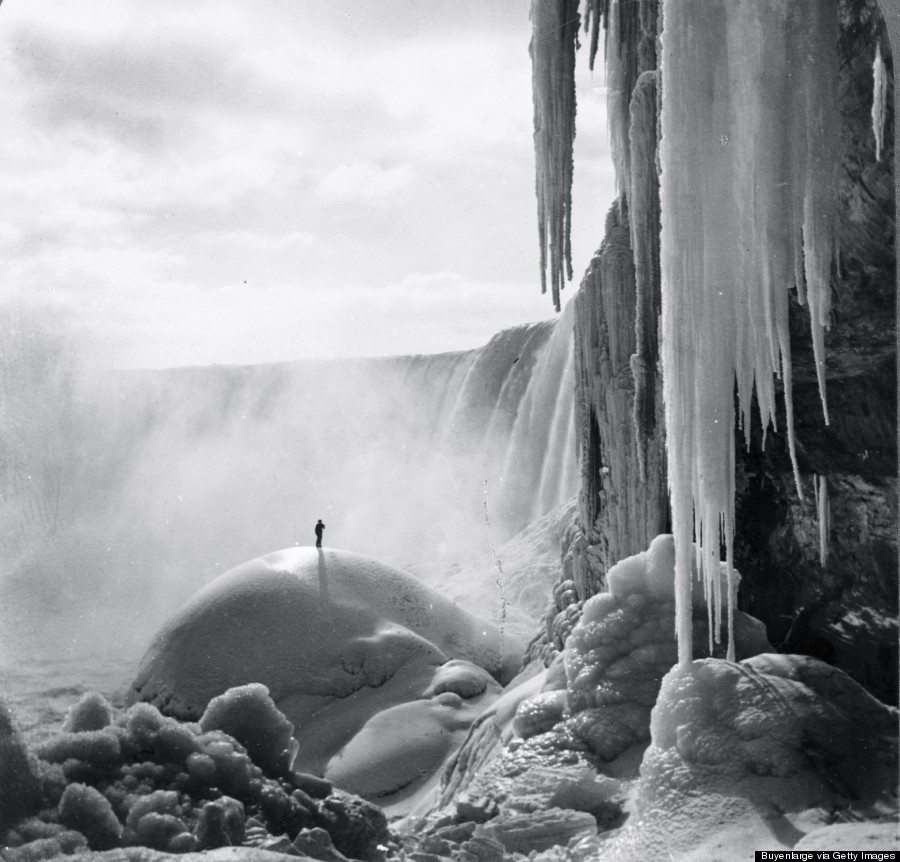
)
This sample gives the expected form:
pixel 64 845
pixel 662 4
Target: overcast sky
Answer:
pixel 221 181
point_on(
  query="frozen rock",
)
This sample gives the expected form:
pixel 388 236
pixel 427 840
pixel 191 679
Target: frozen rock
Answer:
pixel 317 844
pixel 738 747
pixel 357 828
pixel 92 712
pixel 522 833
pixel 85 810
pixel 248 714
pixel 20 783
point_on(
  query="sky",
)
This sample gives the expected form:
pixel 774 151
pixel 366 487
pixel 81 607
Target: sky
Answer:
pixel 225 182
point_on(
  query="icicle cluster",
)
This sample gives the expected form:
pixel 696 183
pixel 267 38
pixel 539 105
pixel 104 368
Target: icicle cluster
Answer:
pixel 748 202
pixel 823 512
pixel 879 100
pixel 554 40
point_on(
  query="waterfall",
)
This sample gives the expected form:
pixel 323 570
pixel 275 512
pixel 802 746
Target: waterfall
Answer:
pixel 171 476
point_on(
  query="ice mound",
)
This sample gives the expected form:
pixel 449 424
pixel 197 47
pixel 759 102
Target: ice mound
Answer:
pixel 379 674
pixel 303 622
pixel 739 751
pixel 617 655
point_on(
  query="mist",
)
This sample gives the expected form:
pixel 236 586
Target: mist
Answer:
pixel 125 491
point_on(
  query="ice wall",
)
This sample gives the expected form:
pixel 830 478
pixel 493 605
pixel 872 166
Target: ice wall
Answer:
pixel 170 477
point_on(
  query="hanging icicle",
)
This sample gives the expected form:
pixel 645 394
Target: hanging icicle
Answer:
pixel 553 43
pixel 748 210
pixel 823 514
pixel 879 99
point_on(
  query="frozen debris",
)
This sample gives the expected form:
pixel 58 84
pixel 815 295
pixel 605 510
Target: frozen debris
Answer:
pixel 748 199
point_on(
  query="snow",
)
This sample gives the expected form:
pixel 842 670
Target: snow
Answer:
pixel 748 157
pixel 531 562
pixel 354 653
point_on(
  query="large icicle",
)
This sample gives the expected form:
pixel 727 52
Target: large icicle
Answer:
pixel 823 515
pixel 748 156
pixel 879 100
pixel 553 42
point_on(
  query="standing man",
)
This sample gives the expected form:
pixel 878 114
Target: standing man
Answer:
pixel 320 528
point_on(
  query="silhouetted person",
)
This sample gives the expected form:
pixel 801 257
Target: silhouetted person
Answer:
pixel 320 528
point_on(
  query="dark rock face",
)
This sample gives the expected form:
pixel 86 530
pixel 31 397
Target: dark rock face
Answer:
pixel 843 611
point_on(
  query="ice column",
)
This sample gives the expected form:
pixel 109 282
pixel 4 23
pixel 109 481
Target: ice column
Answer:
pixel 748 210
pixel 553 42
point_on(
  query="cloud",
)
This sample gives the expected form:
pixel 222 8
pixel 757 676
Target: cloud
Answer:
pixel 221 181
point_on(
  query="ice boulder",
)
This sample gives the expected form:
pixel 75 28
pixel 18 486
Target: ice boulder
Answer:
pixel 248 714
pixel 739 750
pixel 92 712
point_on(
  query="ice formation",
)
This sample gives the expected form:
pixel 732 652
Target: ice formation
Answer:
pixel 753 755
pixel 748 109
pixel 618 653
pixel 823 512
pixel 879 100
pixel 380 675
pixel 149 781
pixel 555 29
